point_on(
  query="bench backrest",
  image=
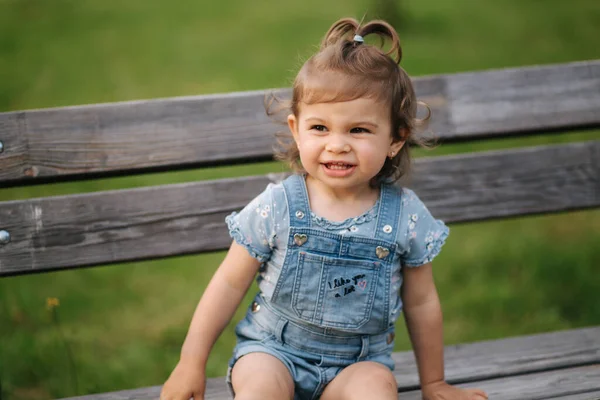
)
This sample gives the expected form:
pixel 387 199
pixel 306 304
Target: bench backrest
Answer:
pixel 87 142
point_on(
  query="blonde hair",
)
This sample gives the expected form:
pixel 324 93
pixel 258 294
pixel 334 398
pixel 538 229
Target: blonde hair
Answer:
pixel 344 69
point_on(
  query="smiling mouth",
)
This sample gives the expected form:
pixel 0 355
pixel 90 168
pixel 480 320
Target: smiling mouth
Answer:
pixel 338 166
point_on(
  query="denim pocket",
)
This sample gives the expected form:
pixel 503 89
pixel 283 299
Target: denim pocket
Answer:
pixel 248 329
pixel 334 292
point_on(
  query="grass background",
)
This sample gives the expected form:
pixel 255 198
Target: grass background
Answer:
pixel 123 325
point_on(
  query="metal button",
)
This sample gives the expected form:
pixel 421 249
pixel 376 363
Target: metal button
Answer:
pixel 4 237
pixel 299 214
pixel 255 307
pixel 353 228
pixel 300 238
pixel 387 228
pixel 1 147
pixel 390 337
pixel 382 252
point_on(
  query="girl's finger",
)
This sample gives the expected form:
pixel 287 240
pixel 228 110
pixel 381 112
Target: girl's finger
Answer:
pixel 478 393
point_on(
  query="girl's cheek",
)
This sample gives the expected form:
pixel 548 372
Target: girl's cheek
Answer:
pixel 371 150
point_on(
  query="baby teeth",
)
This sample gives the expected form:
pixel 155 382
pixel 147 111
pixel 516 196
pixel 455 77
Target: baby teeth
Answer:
pixel 338 166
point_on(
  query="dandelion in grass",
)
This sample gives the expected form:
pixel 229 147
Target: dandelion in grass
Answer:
pixel 52 303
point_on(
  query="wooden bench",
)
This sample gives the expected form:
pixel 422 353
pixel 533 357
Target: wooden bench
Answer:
pixel 84 142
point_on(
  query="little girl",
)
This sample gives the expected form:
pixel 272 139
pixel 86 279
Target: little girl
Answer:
pixel 339 249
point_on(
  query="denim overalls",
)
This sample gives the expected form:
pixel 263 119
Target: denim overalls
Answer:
pixel 331 303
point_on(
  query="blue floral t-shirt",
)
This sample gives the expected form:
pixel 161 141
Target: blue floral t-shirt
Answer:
pixel 262 227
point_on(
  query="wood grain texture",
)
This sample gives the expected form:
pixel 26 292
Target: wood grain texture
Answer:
pixel 579 383
pixel 151 393
pixel 69 231
pixel 505 183
pixel 164 134
pixel 493 359
pixel 594 395
pixel 507 365
pixel 108 227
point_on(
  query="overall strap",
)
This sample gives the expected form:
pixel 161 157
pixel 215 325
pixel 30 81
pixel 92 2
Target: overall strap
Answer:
pixel 388 215
pixel 297 199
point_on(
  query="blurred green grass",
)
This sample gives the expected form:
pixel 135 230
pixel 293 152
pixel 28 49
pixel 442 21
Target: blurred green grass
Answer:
pixel 125 323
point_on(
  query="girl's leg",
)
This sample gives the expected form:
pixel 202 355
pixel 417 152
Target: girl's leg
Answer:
pixel 261 376
pixel 363 380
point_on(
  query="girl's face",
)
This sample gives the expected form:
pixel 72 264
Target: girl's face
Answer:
pixel 344 144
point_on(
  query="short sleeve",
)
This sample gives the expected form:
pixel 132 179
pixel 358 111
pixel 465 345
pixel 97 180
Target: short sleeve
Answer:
pixel 425 235
pixel 253 226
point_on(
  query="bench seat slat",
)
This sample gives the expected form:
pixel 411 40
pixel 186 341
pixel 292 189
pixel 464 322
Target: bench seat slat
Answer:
pixel 594 395
pixel 579 383
pixel 135 224
pixel 164 134
pixel 496 365
pixel 493 359
pixel 573 384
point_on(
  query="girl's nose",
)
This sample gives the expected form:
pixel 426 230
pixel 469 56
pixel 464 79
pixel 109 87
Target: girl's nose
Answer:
pixel 337 145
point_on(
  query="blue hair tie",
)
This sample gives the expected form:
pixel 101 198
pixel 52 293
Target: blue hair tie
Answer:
pixel 358 38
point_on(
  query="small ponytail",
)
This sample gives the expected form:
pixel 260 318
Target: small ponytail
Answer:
pixel 384 30
pixel 346 28
pixel 340 30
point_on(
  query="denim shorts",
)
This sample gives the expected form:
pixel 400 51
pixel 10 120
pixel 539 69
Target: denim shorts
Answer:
pixel 313 355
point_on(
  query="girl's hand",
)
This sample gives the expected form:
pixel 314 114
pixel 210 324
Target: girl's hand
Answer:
pixel 443 391
pixel 186 381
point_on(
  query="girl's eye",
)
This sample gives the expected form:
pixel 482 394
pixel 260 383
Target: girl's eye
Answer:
pixel 320 128
pixel 359 130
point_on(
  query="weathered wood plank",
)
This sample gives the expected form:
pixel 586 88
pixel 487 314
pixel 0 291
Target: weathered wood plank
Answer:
pixel 579 383
pixel 525 99
pixel 105 227
pixel 216 389
pixel 510 359
pixel 493 359
pixel 507 183
pixel 595 395
pixel 204 130
pixel 108 227
pixel 134 135
pixel 569 384
pixel 150 393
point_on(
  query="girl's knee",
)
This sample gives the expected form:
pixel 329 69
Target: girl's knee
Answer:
pixel 378 374
pixel 264 389
pixel 261 376
pixel 256 396
pixel 364 380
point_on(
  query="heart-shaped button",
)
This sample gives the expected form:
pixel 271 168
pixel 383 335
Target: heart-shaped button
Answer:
pixel 300 238
pixel 382 252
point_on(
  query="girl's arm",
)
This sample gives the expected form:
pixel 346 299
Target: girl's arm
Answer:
pixel 214 311
pixel 219 302
pixel 423 315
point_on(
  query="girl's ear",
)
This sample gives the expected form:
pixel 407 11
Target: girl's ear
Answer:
pixel 397 145
pixel 395 148
pixel 293 125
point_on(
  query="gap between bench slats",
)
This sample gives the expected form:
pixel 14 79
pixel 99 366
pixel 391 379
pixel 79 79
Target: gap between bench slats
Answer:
pixel 543 358
pixel 163 134
pixel 135 224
